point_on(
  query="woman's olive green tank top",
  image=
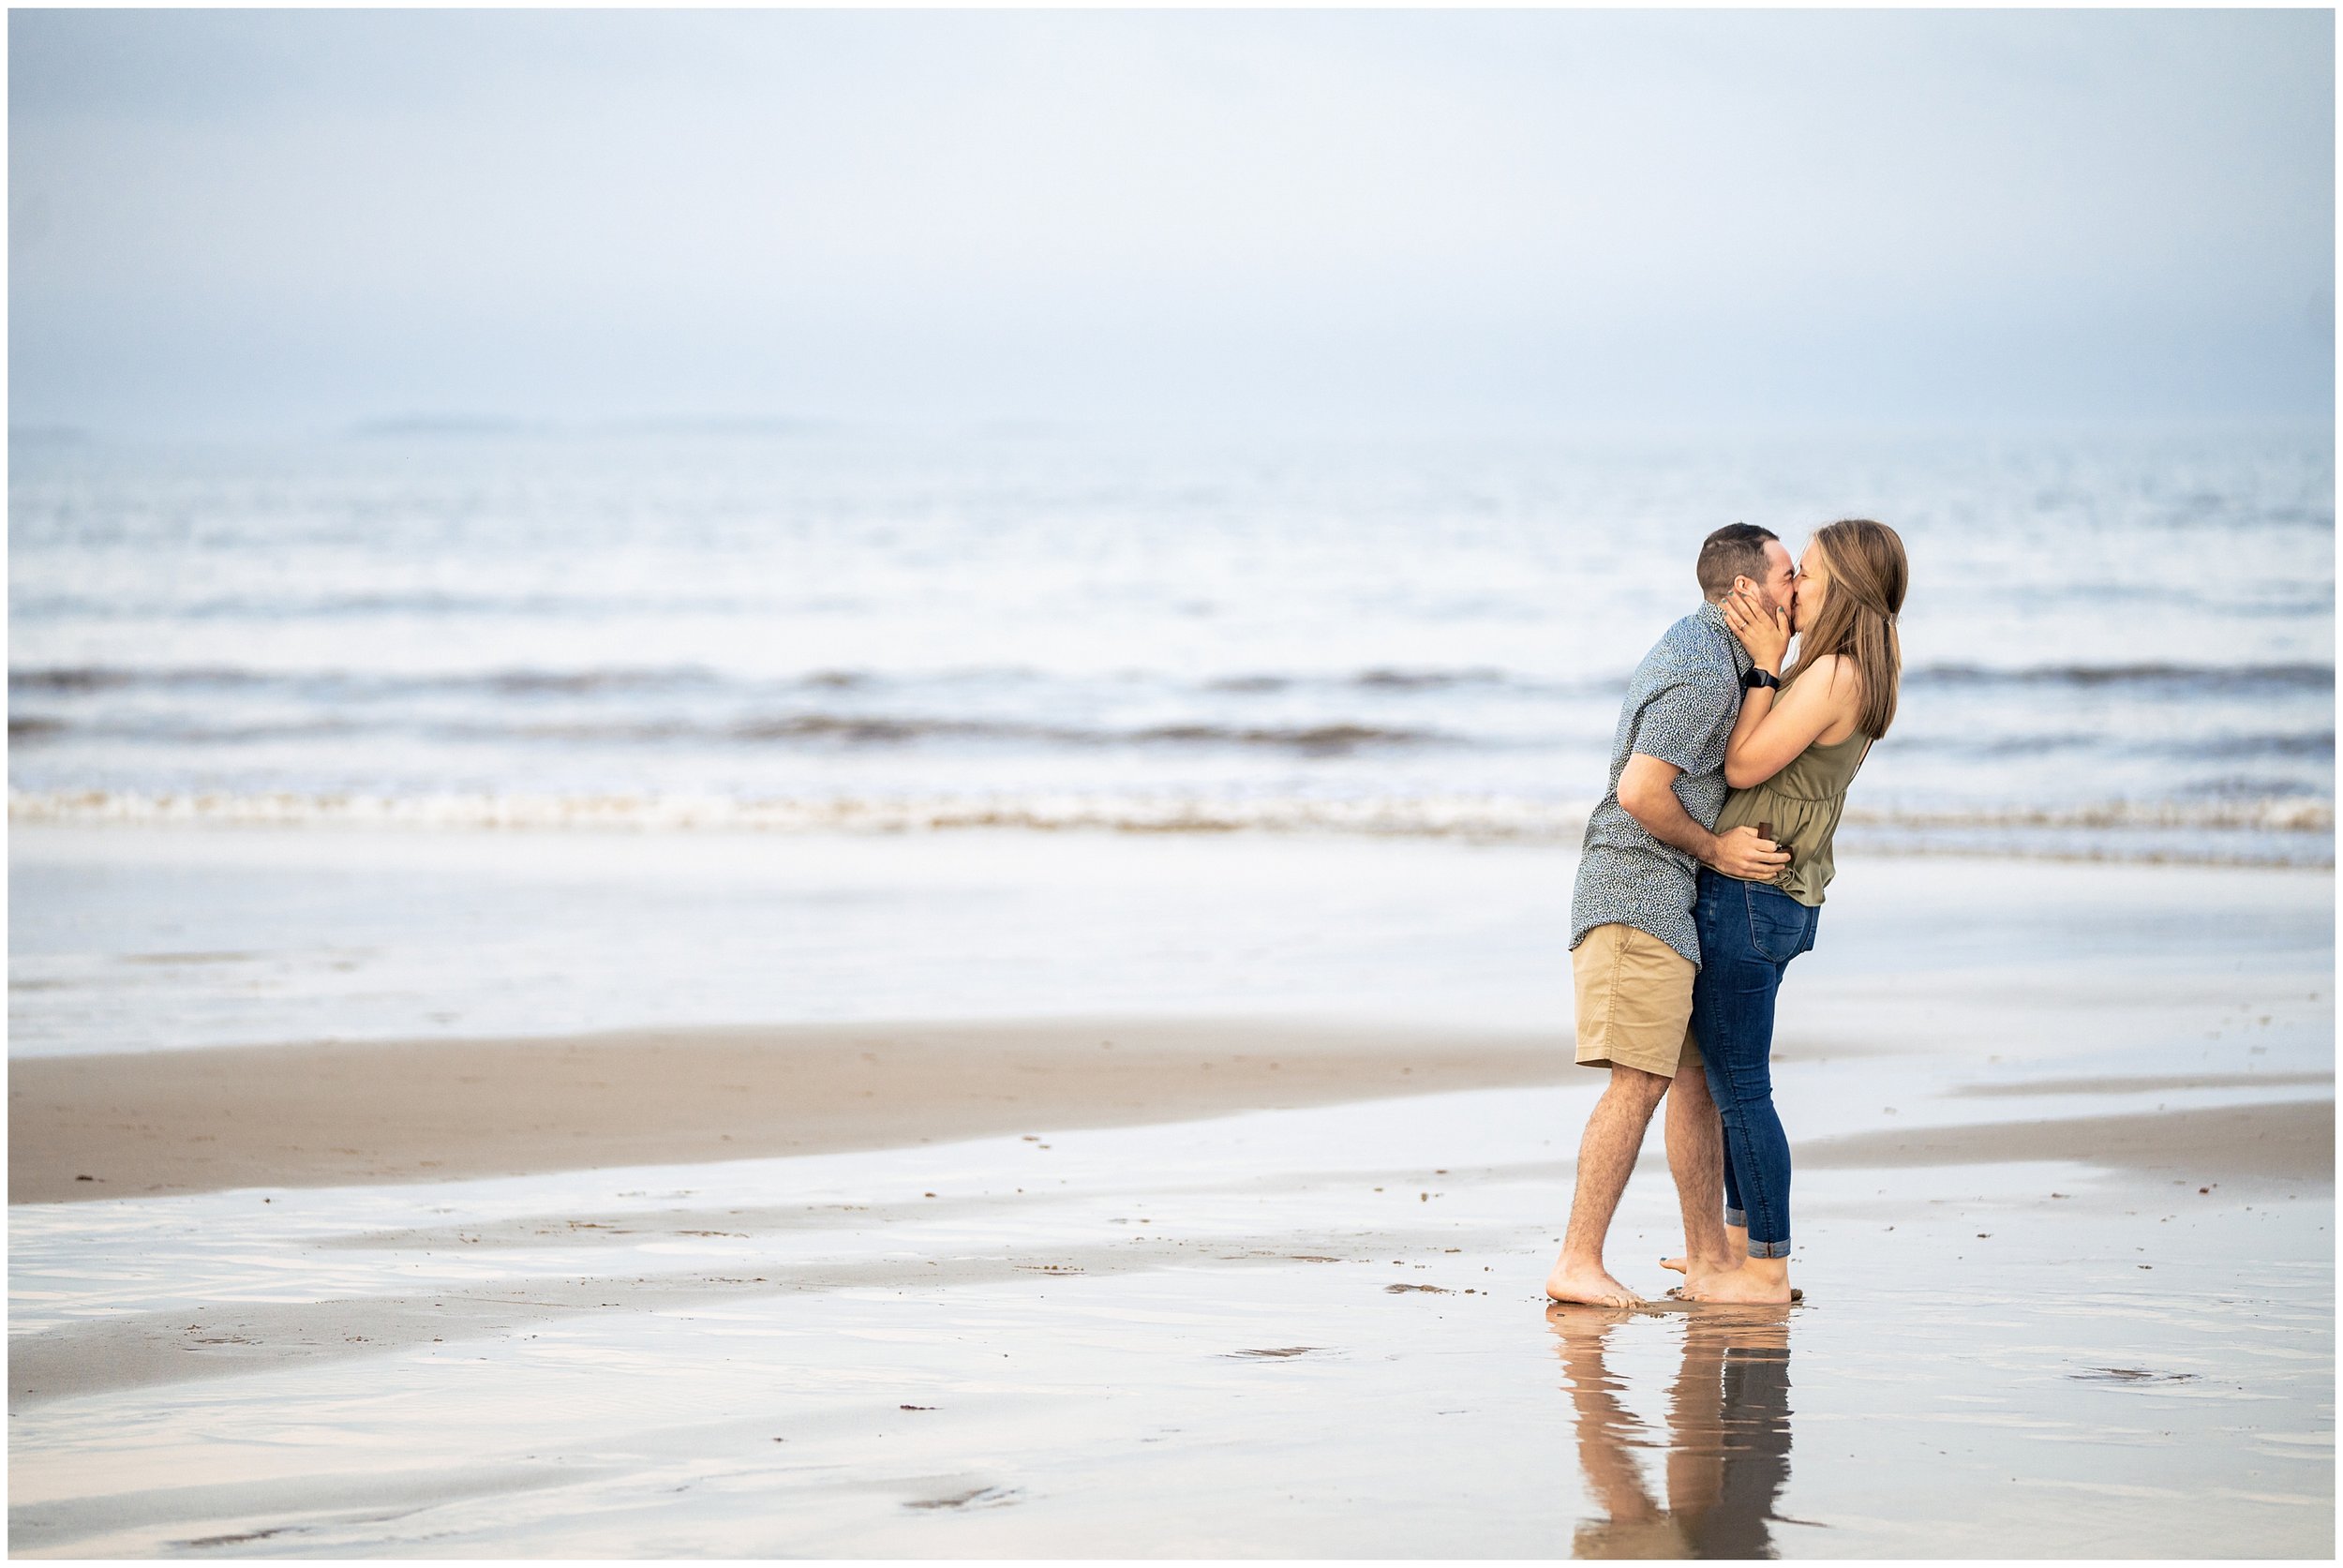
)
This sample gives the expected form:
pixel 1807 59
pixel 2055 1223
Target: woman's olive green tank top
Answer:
pixel 1803 802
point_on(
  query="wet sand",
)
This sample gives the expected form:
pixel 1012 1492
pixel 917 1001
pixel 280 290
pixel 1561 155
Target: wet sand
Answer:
pixel 198 1121
pixel 435 1110
pixel 2285 1141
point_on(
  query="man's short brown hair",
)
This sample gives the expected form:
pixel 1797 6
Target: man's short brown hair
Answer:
pixel 1735 550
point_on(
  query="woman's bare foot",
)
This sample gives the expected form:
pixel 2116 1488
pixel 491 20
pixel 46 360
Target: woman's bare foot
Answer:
pixel 1736 1248
pixel 1588 1284
pixel 1760 1282
pixel 1695 1275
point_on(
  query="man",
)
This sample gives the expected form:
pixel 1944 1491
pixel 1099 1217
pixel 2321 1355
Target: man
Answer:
pixel 1634 947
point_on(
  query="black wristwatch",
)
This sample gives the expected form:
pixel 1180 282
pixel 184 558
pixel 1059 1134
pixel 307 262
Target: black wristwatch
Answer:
pixel 1758 678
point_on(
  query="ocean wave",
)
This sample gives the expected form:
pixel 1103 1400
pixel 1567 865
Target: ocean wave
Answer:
pixel 2283 814
pixel 1412 816
pixel 421 603
pixel 2296 818
pixel 77 680
pixel 1329 737
pixel 97 677
pixel 41 727
pixel 70 680
pixel 1332 739
pixel 1380 677
pixel 864 728
pixel 2117 740
pixel 2238 679
pixel 2234 679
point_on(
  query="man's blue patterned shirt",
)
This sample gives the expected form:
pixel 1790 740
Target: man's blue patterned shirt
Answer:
pixel 1680 708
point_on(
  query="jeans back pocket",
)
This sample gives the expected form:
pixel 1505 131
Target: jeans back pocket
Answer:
pixel 1778 929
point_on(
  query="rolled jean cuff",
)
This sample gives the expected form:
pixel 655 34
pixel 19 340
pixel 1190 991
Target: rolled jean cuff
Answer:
pixel 1738 1219
pixel 1769 1249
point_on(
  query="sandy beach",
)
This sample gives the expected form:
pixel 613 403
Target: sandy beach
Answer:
pixel 363 1114
pixel 1140 1278
pixel 330 1115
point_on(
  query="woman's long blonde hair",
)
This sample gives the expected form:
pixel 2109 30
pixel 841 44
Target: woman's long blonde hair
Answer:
pixel 1867 575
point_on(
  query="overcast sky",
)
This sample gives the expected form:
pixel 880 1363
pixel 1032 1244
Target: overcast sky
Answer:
pixel 295 219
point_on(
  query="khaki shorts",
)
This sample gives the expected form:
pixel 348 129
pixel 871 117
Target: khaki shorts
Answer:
pixel 1635 998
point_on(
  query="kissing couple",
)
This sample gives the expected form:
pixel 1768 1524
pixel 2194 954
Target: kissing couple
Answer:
pixel 1702 876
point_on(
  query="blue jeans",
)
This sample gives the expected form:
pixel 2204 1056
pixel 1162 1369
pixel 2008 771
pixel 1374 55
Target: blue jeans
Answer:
pixel 1749 932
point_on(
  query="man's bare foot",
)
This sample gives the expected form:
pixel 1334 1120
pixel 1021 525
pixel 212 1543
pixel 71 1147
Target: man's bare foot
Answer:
pixel 1588 1284
pixel 1759 1282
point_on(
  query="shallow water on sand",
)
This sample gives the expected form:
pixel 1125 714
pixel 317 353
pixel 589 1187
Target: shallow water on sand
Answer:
pixel 1291 1332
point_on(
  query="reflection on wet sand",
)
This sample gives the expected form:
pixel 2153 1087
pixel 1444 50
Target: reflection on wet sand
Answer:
pixel 1728 1439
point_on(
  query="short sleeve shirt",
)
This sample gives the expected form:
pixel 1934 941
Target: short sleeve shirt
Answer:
pixel 1680 707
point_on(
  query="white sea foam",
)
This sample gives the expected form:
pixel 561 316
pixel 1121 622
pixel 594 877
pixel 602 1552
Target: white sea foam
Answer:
pixel 2123 829
pixel 2287 814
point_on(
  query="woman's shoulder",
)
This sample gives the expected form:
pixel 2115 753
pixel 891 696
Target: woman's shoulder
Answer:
pixel 1839 675
pixel 1833 666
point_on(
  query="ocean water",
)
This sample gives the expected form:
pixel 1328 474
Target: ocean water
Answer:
pixel 2116 645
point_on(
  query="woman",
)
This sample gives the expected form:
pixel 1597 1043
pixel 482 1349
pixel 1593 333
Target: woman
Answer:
pixel 1792 753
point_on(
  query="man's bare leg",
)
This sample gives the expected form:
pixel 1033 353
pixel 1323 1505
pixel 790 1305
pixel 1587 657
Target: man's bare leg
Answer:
pixel 1607 1154
pixel 1696 1158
